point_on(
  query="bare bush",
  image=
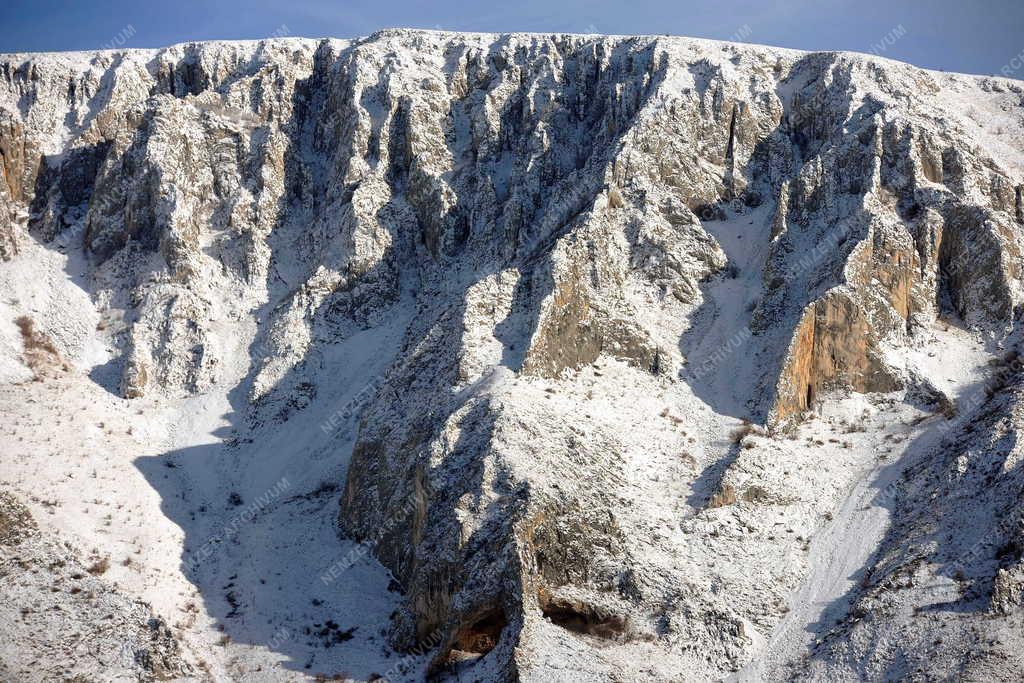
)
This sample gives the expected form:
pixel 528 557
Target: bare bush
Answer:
pixel 726 496
pixel 39 352
pixel 737 435
pixel 100 566
pixel 755 494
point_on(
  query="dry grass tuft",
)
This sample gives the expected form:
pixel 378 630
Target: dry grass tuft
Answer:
pixel 726 496
pixel 615 200
pixel 39 353
pixel 756 494
pixel 100 566
pixel 737 435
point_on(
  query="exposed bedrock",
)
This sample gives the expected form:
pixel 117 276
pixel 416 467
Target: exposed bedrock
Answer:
pixel 917 236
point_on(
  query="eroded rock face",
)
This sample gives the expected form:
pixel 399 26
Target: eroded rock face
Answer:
pixel 531 207
pixel 897 199
pixel 14 174
pixel 834 343
pixel 1008 591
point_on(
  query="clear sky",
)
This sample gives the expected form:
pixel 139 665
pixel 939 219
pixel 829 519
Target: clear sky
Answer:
pixel 973 36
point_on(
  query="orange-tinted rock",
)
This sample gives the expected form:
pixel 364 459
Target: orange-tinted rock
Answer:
pixel 833 346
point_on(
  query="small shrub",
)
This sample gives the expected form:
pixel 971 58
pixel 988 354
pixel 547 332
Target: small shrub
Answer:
pixel 855 427
pixel 737 435
pixel 100 566
pixel 615 200
pixel 40 354
pixel 755 494
pixel 726 496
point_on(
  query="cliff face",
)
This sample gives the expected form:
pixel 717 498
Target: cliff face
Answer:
pixel 563 225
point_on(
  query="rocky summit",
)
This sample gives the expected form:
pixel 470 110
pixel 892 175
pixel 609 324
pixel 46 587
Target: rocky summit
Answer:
pixel 509 357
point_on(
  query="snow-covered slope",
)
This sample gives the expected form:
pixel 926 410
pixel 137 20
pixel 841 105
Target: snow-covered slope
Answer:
pixel 538 357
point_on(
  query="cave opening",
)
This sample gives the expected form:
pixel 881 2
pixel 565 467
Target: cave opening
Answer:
pixel 582 618
pixel 481 635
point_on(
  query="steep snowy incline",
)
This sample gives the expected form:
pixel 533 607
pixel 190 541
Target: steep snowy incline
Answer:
pixel 722 370
pixel 840 553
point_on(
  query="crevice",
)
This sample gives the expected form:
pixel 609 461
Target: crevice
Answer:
pixel 730 155
pixel 583 618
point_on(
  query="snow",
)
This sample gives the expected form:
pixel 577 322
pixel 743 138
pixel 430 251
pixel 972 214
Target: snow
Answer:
pixel 723 370
pixel 148 481
pixel 993 121
pixel 155 463
pixel 841 550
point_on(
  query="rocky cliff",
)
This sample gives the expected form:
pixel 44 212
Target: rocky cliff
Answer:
pixel 602 253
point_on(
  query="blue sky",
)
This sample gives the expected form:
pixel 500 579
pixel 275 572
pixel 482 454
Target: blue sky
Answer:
pixel 973 36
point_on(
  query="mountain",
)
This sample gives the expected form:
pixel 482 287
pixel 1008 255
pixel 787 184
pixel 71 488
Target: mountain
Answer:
pixel 514 357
